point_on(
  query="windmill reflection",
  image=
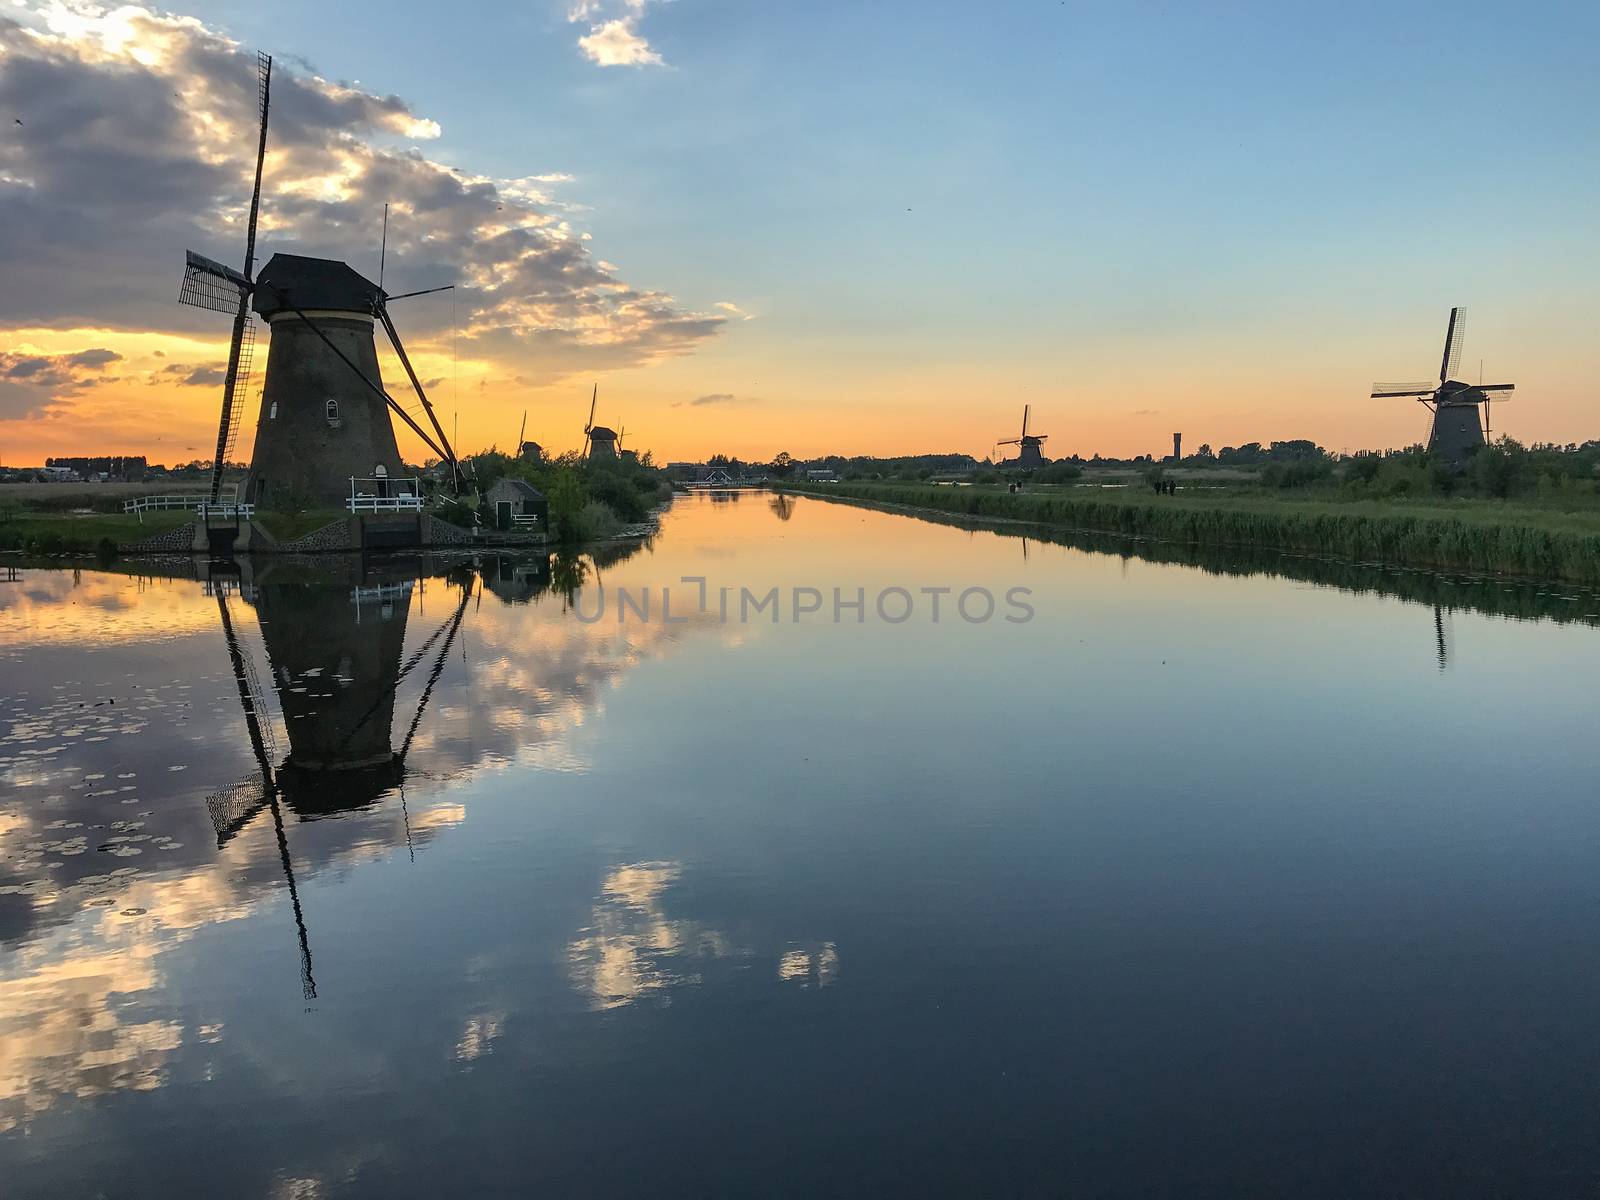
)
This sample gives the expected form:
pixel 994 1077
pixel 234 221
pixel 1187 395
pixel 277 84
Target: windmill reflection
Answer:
pixel 335 657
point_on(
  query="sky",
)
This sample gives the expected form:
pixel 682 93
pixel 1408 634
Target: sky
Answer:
pixel 818 228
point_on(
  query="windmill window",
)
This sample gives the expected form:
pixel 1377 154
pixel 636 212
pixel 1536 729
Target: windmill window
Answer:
pixel 333 412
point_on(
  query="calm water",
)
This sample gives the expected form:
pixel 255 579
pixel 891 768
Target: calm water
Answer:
pixel 1219 876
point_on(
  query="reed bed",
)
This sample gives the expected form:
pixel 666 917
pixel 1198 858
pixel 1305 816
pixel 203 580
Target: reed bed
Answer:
pixel 1471 535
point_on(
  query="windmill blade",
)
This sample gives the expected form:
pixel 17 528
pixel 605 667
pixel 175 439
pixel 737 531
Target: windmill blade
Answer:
pixel 1502 391
pixel 447 287
pixel 1016 441
pixel 235 806
pixel 1427 387
pixel 1454 338
pixel 1041 437
pixel 457 477
pixel 211 285
pixel 1025 420
pixel 238 348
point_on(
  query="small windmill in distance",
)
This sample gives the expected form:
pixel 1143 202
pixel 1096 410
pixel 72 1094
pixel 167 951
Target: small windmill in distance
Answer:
pixel 1029 455
pixel 588 426
pixel 1458 430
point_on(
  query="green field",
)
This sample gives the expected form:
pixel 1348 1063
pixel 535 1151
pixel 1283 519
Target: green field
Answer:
pixel 83 533
pixel 1508 537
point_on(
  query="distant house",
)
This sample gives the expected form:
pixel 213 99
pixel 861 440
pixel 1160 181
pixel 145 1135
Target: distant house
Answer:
pixel 514 504
pixel 822 476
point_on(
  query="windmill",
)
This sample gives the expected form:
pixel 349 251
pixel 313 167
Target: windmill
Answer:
pixel 323 420
pixel 1458 430
pixel 1028 454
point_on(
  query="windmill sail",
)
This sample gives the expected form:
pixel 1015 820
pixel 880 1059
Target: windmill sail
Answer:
pixel 210 285
pixel 1454 339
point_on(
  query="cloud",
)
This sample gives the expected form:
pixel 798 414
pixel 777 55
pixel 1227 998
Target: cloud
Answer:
pixel 191 375
pixel 146 148
pixel 714 398
pixel 96 358
pixel 1146 412
pixel 32 383
pixel 733 310
pixel 614 40
pixel 618 44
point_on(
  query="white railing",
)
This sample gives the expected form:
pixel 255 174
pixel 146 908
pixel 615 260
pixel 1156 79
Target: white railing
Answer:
pixel 198 504
pixel 373 504
pixel 397 495
pixel 141 504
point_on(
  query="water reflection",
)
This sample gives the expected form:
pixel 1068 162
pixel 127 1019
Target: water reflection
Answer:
pixel 1199 850
pixel 105 770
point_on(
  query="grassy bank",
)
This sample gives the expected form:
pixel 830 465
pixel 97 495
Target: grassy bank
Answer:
pixel 83 533
pixel 1474 535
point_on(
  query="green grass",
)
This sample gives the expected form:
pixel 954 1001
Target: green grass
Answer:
pixel 287 526
pixel 91 533
pixel 1477 535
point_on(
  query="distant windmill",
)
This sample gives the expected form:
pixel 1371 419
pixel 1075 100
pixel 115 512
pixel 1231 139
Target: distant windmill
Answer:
pixel 599 441
pixel 322 405
pixel 1458 429
pixel 1029 455
pixel 588 426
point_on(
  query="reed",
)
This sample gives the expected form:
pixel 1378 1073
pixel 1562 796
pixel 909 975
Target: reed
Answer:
pixel 1473 535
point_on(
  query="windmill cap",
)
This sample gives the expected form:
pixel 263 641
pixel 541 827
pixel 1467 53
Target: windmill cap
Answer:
pixel 602 433
pixel 291 281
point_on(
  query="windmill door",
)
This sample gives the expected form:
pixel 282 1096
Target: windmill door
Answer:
pixel 502 514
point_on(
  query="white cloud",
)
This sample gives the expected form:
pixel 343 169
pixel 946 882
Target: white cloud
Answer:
pixel 616 43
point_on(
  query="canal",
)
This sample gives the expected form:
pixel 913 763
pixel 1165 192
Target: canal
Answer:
pixel 798 848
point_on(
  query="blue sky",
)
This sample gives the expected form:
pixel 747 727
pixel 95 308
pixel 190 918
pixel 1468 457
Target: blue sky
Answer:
pixel 1227 217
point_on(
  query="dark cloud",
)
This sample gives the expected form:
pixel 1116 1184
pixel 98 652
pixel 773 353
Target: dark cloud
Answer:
pixel 190 375
pixel 146 148
pixel 714 398
pixel 93 358
pixel 22 368
pixel 32 383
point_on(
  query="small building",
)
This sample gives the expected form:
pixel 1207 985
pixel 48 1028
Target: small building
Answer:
pixel 514 504
pixel 822 476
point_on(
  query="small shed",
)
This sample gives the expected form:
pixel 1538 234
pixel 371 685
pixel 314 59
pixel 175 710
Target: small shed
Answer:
pixel 514 504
